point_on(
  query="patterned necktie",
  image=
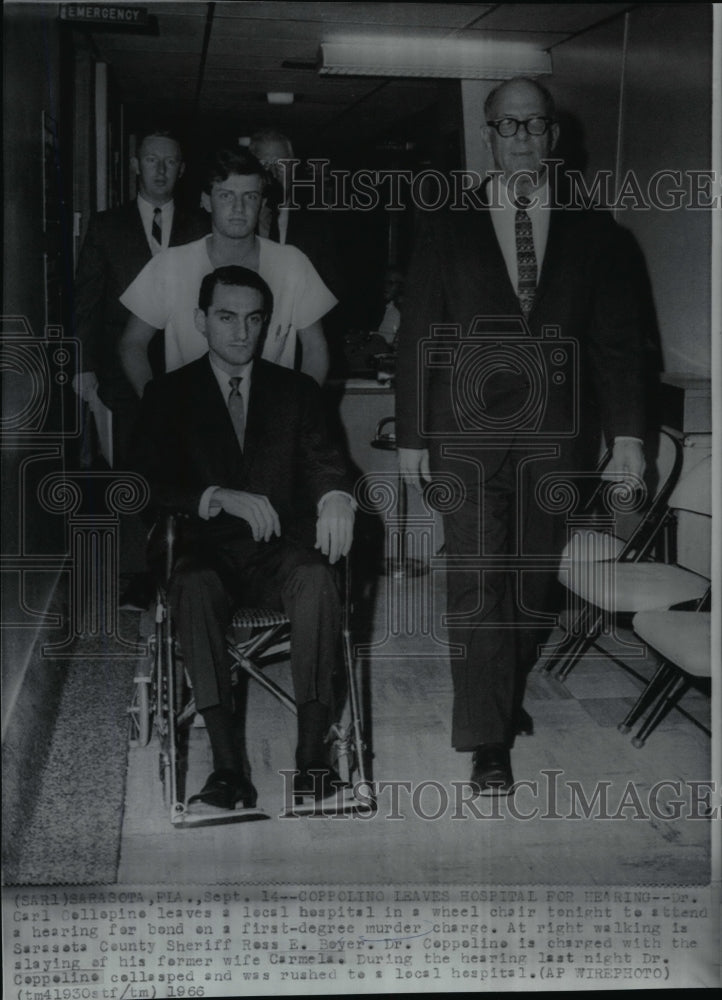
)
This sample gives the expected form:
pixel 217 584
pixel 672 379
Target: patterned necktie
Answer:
pixel 235 408
pixel 157 228
pixel 525 257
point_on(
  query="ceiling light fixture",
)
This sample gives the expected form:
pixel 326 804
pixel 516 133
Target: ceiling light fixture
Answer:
pixel 457 58
pixel 279 97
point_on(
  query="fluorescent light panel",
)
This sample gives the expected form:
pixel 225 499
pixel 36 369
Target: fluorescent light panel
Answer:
pixel 457 58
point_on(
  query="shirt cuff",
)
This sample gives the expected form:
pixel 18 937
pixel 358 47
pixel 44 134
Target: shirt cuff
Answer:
pixel 625 437
pixel 336 493
pixel 209 506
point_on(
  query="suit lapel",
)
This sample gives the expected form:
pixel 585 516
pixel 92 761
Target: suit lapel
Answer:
pixel 495 263
pixel 259 429
pixel 553 255
pixel 177 229
pixel 481 274
pixel 138 244
pixel 210 421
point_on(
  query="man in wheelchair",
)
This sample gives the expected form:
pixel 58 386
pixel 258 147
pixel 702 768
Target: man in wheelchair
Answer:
pixel 237 448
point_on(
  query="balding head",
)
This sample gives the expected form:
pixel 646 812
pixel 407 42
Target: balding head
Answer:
pixel 272 148
pixel 520 104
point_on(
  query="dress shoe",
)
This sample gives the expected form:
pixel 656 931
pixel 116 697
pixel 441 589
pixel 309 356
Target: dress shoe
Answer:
pixel 317 780
pixel 524 724
pixel 491 770
pixel 224 789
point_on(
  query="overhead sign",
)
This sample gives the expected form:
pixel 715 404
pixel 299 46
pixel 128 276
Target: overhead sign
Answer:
pixel 95 13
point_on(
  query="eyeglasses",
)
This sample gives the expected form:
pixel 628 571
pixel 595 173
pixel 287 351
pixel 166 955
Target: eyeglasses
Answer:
pixel 506 127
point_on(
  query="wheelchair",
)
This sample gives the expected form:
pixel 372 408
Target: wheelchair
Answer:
pixel 163 705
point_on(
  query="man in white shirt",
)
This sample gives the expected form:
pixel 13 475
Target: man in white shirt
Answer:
pixel 507 304
pixel 165 293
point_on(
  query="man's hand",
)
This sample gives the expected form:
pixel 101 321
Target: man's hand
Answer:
pixel 253 508
pixel 627 461
pixel 85 384
pixel 334 527
pixel 414 466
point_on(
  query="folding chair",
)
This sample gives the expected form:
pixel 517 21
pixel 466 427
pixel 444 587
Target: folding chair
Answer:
pixel 163 701
pixel 607 576
pixel 683 640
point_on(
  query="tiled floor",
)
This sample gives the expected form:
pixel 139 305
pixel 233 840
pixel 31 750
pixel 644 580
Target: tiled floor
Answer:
pixel 406 687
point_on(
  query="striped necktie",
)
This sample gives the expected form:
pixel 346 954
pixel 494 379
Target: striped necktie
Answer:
pixel 236 409
pixel 525 257
pixel 157 228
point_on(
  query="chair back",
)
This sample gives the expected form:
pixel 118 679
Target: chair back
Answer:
pixel 662 477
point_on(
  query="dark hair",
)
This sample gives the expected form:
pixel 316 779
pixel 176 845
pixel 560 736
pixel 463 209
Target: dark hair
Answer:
pixel 239 277
pixel 549 108
pixel 224 162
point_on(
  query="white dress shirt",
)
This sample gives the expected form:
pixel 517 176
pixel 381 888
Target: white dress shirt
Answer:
pixel 166 221
pixel 503 217
pixel 208 506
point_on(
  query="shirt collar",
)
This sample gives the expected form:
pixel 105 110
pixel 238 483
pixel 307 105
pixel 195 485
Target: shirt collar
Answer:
pixel 223 378
pixel 147 209
pixel 500 195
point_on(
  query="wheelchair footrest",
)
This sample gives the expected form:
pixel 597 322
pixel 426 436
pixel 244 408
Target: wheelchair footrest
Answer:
pixel 201 815
pixel 344 802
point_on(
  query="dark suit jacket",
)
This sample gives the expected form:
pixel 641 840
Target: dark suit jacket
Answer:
pixel 114 251
pixel 185 442
pixel 313 232
pixel 588 288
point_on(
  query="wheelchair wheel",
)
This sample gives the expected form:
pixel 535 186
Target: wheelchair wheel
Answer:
pixel 139 713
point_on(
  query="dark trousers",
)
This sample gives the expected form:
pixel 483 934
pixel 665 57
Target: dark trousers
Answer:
pixel 502 549
pixel 133 531
pixel 208 583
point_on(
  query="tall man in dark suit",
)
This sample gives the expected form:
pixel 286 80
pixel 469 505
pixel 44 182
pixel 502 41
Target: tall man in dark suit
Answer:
pixel 117 246
pixel 527 299
pixel 238 447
